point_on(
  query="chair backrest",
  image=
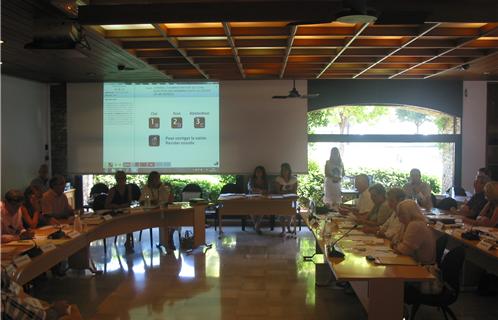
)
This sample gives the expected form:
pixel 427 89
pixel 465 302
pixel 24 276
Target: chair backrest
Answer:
pixel 451 266
pixel 230 188
pixel 191 190
pixel 99 188
pixel 99 202
pixel 458 191
pixel 447 204
pixel 135 191
pixel 440 247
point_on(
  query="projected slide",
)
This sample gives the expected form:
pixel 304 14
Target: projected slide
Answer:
pixel 168 127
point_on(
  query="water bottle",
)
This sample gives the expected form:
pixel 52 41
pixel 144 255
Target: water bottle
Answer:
pixel 147 201
pixel 77 222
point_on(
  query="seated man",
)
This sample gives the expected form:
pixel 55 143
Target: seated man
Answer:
pixel 16 304
pixel 475 205
pixel 418 190
pixel 11 212
pixel 42 179
pixel 380 211
pixel 391 229
pixel 364 203
pixel 54 201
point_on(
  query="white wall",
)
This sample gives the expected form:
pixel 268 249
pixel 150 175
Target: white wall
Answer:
pixel 25 130
pixel 255 129
pixel 473 130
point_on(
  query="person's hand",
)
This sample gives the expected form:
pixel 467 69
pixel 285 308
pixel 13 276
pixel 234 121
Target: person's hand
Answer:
pixel 28 234
pixel 60 307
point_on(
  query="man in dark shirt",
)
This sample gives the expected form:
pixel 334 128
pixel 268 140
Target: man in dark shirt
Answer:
pixel 474 206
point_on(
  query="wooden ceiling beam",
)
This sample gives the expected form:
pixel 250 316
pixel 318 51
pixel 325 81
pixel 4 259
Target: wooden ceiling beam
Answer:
pixel 290 43
pixel 222 52
pixel 484 31
pixel 174 43
pixel 346 46
pixel 424 31
pixel 196 32
pixel 133 33
pixel 160 44
pixel 157 53
pixel 494 53
pixel 228 33
pixel 261 43
pixel 189 44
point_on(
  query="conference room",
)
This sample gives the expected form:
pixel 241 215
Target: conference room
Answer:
pixel 195 143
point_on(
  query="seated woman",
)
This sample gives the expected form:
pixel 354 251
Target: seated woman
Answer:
pixel 119 197
pixel 380 211
pixel 155 191
pixel 391 229
pixel 286 183
pixel 258 184
pixel 31 209
pixel 11 217
pixel 417 239
pixel 489 214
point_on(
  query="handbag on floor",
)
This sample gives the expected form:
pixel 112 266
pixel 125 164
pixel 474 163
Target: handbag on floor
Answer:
pixel 187 241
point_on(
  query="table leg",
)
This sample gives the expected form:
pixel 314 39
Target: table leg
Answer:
pixel 220 225
pixel 382 298
pixel 199 227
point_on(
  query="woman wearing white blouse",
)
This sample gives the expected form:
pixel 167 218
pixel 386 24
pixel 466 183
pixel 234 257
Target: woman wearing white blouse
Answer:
pixel 154 191
pixel 286 183
pixel 334 171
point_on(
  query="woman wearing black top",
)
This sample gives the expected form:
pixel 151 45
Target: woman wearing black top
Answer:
pixel 258 184
pixel 119 197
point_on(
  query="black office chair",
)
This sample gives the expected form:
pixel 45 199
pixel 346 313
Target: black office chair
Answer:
pixel 457 191
pixel 440 247
pixel 450 273
pixel 191 190
pixel 99 188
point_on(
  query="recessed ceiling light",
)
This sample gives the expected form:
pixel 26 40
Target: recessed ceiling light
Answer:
pixel 356 18
pixel 486 72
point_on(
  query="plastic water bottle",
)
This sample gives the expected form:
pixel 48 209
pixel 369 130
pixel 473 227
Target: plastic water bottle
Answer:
pixel 147 200
pixel 77 222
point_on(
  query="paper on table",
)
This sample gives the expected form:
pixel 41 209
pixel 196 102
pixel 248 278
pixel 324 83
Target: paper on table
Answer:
pixel 362 238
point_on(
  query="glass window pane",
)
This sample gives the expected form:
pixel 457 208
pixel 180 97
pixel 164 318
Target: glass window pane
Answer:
pixel 381 120
pixel 389 161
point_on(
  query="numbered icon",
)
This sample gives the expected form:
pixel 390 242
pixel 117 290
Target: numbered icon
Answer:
pixel 199 122
pixel 176 122
pixel 154 141
pixel 154 123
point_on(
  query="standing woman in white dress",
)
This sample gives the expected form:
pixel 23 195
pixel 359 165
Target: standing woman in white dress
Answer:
pixel 334 171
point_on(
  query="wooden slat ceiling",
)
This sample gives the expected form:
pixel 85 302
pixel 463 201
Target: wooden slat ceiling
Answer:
pixel 222 50
pixel 274 50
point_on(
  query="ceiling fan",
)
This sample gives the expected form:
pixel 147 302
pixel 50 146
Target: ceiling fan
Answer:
pixel 295 94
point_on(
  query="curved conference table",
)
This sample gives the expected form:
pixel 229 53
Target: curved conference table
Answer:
pixel 77 247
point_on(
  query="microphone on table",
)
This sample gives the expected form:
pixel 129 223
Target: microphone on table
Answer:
pixel 334 252
pixel 35 251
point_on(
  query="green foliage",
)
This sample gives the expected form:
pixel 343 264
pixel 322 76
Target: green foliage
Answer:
pixel 311 185
pixel 345 116
pixel 392 178
pixel 210 189
pixel 317 119
pixel 407 115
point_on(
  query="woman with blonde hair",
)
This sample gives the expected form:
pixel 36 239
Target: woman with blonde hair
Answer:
pixel 334 171
pixel 417 239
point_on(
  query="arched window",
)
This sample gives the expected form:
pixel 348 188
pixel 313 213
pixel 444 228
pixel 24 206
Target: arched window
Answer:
pixel 389 138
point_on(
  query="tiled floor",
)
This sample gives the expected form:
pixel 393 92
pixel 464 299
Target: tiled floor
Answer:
pixel 243 276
